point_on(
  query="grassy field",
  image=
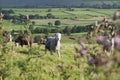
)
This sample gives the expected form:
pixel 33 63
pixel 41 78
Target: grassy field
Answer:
pixel 81 13
pixel 79 16
pixel 19 64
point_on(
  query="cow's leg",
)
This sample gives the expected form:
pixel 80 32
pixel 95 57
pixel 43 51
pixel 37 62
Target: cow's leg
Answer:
pixel 17 44
pixel 58 53
pixel 21 45
pixel 51 51
pixel 112 48
pixel 45 50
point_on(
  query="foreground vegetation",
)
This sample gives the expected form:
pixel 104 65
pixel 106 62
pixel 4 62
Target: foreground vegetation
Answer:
pixel 17 63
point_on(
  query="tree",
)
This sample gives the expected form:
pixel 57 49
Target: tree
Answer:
pixel 36 16
pixel 73 30
pixel 31 27
pixel 49 15
pixel 37 38
pixel 49 10
pixel 33 22
pixel 46 31
pixel 50 24
pixel 57 23
pixel 67 30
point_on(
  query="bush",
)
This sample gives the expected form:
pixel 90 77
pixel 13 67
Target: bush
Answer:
pixel 57 23
pixel 37 38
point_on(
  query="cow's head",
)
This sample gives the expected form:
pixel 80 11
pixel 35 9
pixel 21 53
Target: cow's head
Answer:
pixel 58 36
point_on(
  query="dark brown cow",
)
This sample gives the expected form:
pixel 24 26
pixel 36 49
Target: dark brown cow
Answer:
pixel 24 40
pixel 6 37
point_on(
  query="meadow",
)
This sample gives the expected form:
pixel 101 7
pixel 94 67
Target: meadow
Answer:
pixel 21 63
pixel 79 16
pixel 25 63
pixel 76 17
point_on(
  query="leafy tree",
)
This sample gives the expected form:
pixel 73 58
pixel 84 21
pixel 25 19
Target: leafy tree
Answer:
pixel 46 31
pixel 49 10
pixel 31 27
pixel 37 38
pixel 33 22
pixel 50 24
pixel 67 30
pixel 57 23
pixel 73 30
pixel 49 16
pixel 36 16
pixel 21 18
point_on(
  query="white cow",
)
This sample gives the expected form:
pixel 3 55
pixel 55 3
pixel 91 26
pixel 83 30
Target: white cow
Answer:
pixel 53 44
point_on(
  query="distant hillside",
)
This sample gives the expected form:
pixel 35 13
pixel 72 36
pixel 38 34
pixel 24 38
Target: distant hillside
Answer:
pixel 61 3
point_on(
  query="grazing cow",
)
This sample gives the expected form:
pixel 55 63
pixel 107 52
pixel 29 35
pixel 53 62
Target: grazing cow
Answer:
pixel 116 15
pixel 24 40
pixel 7 37
pixel 53 44
pixel 41 41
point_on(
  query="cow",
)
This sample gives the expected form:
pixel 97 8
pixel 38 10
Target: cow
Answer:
pixel 116 15
pixel 53 43
pixel 24 40
pixel 6 36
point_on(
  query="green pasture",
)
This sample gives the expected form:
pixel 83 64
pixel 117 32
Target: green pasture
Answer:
pixel 43 23
pixel 8 26
pixel 18 64
pixel 79 16
pixel 80 13
pixel 64 22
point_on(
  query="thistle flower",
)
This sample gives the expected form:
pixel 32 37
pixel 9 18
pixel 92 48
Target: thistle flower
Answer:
pixel 83 51
pixel 117 41
pixel 100 39
pixel 91 61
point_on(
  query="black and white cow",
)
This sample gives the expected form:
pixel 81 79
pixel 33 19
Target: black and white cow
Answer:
pixel 53 43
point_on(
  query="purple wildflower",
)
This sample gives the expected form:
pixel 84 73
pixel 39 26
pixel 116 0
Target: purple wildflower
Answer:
pixel 83 51
pixel 91 61
pixel 100 39
pixel 117 41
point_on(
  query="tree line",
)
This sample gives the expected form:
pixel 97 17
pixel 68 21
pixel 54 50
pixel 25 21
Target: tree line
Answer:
pixel 66 30
pixel 99 5
pixel 19 17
